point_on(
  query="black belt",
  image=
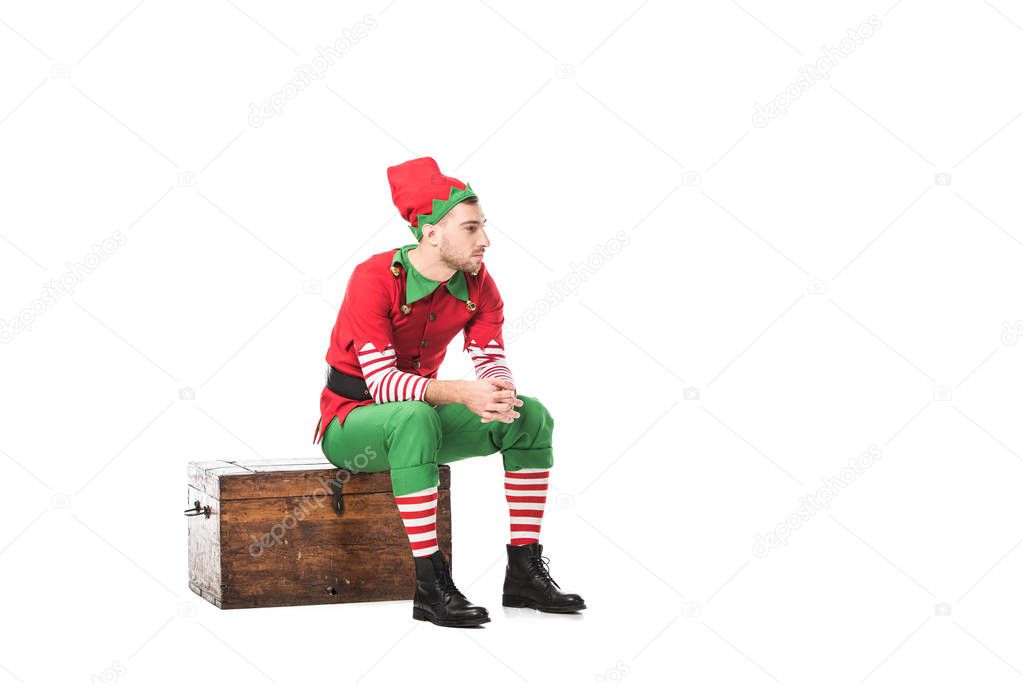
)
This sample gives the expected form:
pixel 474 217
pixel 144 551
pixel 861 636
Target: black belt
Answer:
pixel 348 386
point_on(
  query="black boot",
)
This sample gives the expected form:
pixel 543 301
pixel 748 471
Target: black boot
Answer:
pixel 527 583
pixel 437 600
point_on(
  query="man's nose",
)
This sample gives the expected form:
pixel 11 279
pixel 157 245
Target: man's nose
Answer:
pixel 483 240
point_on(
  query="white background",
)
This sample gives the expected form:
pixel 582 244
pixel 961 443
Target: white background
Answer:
pixel 816 284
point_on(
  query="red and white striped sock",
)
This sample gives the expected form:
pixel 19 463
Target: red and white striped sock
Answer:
pixel 526 493
pixel 419 514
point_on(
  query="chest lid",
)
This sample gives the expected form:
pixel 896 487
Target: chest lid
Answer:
pixel 286 478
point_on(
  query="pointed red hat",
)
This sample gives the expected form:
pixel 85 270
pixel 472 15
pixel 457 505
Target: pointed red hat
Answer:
pixel 422 194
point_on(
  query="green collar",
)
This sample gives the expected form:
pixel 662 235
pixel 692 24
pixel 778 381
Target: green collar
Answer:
pixel 418 286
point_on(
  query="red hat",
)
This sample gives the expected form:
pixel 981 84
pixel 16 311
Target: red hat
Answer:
pixel 422 194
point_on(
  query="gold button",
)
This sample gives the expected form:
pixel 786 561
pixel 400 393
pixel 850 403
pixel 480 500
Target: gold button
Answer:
pixel 422 344
pixel 470 305
pixel 415 364
pixel 395 271
pixel 405 308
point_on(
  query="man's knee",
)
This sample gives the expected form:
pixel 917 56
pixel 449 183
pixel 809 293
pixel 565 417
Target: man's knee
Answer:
pixel 534 413
pixel 528 439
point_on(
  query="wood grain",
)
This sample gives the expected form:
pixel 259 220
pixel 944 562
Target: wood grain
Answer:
pixel 274 539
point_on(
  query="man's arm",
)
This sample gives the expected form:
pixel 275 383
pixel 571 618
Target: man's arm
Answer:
pixel 484 335
pixel 485 344
pixel 440 391
pixel 490 361
pixel 383 378
pixel 488 398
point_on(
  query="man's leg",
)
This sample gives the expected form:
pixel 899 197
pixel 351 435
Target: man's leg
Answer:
pixel 526 447
pixel 404 436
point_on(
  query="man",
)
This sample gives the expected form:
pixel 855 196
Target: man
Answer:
pixel 401 309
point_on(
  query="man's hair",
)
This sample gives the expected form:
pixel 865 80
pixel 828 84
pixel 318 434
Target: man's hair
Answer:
pixel 467 200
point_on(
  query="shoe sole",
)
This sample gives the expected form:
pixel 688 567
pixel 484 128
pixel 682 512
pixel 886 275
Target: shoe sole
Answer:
pixel 423 615
pixel 511 601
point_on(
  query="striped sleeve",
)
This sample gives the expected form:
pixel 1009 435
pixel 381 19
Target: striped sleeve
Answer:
pixel 489 361
pixel 383 378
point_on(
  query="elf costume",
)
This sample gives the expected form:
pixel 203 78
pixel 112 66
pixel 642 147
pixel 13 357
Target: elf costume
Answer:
pixel 388 342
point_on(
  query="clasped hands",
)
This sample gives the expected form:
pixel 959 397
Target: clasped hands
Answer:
pixel 493 399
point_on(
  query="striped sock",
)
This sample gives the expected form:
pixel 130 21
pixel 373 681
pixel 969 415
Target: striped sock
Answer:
pixel 526 493
pixel 419 514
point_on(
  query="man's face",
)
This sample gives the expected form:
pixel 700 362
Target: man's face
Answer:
pixel 462 237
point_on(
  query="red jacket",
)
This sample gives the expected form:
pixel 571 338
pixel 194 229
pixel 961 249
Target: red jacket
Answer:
pixel 371 312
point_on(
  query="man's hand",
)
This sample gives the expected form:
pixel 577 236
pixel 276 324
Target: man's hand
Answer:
pixel 492 399
pixel 506 385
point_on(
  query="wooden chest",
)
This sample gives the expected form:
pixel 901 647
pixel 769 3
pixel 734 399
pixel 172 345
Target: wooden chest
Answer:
pixel 299 532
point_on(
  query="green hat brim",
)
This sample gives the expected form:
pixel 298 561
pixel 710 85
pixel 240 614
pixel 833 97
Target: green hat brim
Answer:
pixel 440 209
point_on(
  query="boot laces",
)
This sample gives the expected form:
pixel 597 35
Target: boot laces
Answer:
pixel 539 566
pixel 448 583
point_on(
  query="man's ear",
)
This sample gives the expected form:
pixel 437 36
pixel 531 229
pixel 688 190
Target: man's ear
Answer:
pixel 431 234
